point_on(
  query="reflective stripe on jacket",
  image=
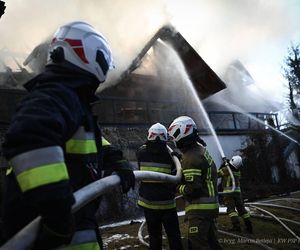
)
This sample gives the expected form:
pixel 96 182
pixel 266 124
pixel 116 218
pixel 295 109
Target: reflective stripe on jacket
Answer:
pixel 226 180
pixel 53 146
pixel 35 143
pixel 39 167
pixel 199 187
pixel 156 194
pixel 82 142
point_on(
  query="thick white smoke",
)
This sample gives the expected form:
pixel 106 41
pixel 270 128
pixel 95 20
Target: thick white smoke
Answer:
pixel 126 24
pixel 257 32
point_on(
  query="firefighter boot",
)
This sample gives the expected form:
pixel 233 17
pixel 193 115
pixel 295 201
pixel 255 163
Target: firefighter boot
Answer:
pixel 248 225
pixel 235 224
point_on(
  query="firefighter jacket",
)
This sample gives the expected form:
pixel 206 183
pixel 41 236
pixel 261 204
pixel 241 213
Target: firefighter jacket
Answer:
pixel 54 146
pixel 226 180
pixel 154 156
pixel 199 185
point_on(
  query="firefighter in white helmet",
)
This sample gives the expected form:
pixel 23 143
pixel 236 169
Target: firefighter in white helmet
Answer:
pixel 234 200
pixel 54 144
pixel 158 198
pixel 199 185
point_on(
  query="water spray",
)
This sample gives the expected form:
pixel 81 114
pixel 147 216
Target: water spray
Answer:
pixel 238 109
pixel 212 130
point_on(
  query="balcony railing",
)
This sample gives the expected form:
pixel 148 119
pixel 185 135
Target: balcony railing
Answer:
pixel 114 111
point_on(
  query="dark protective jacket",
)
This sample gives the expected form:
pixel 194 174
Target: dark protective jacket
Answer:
pixel 54 147
pixel 199 186
pixel 226 180
pixel 154 156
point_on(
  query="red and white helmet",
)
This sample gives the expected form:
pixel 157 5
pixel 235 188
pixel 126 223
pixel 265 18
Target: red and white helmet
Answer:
pixel 181 127
pixel 157 131
pixel 236 161
pixel 84 47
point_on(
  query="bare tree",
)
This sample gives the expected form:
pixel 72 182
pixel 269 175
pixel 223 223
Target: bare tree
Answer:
pixel 2 8
pixel 292 72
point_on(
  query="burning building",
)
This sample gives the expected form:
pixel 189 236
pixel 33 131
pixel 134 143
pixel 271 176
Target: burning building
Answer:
pixel 152 88
pixel 157 87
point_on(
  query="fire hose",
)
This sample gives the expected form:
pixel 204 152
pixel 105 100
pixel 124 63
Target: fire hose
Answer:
pixel 282 199
pixel 273 205
pixel 25 238
pixel 277 219
pixel 266 217
pixel 247 240
pixel 231 176
pixel 140 234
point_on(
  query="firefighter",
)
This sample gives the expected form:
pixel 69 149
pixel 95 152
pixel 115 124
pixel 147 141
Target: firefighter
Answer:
pixel 233 200
pixel 54 143
pixel 199 185
pixel 157 198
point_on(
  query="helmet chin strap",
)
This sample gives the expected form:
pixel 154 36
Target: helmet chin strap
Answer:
pixel 187 141
pixel 157 141
pixel 57 55
pixel 87 93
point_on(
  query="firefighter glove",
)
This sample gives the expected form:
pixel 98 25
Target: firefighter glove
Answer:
pixel 201 141
pixel 177 154
pixel 127 179
pixel 225 161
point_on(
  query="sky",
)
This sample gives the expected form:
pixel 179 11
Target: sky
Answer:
pixel 256 32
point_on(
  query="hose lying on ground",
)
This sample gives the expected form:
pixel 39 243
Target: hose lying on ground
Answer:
pixel 140 234
pixel 277 219
pixel 282 199
pixel 272 205
pixel 265 217
pixel 245 239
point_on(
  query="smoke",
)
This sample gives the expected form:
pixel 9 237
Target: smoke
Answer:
pixel 127 25
pixel 257 33
pixel 221 31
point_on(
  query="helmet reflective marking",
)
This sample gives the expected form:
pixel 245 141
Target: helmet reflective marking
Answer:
pixel 181 127
pixel 236 161
pixel 84 47
pixel 157 132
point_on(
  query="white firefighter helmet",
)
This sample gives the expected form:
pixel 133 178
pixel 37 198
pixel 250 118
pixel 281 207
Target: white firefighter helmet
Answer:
pixel 181 127
pixel 236 161
pixel 157 131
pixel 84 47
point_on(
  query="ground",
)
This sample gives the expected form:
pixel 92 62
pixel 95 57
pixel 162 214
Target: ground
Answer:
pixel 268 232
